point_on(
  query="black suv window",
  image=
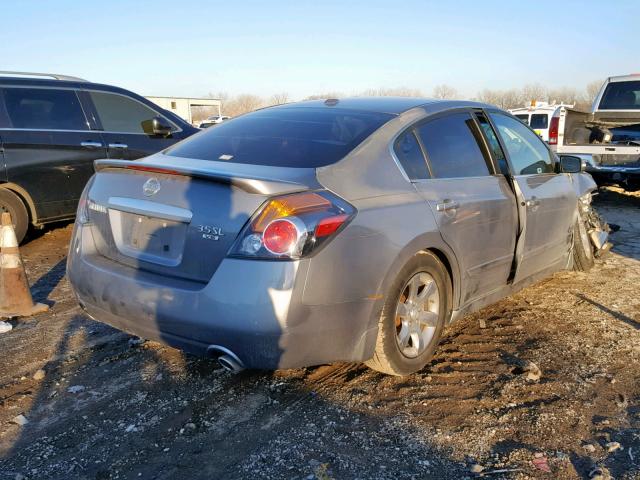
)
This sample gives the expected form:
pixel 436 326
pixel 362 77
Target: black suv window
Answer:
pixel 410 156
pixel 121 114
pixel 527 152
pixel 44 108
pixel 452 147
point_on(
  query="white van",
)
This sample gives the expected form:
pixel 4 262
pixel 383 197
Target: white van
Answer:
pixel 543 118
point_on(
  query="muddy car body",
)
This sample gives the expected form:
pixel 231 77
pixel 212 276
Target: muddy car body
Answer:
pixel 349 230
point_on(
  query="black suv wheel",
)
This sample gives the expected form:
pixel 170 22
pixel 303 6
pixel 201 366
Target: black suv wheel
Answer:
pixel 10 202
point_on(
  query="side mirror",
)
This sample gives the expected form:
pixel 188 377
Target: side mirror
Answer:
pixel 157 126
pixel 570 164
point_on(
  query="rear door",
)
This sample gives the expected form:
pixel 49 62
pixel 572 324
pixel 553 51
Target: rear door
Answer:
pixel 122 119
pixel 49 148
pixel 546 200
pixel 473 204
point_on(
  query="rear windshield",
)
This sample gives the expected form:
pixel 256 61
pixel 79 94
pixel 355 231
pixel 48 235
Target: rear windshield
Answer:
pixel 523 117
pixel 621 96
pixel 284 137
pixel 539 120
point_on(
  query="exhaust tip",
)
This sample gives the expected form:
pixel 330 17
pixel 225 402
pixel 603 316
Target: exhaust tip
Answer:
pixel 226 358
pixel 229 364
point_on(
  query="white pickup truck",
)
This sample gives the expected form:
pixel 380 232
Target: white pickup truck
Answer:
pixel 608 136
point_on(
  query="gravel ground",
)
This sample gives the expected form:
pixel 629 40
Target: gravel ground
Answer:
pixel 544 384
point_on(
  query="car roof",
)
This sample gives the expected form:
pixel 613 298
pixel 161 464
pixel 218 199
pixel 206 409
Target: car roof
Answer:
pixel 52 82
pixel 624 78
pixel 392 105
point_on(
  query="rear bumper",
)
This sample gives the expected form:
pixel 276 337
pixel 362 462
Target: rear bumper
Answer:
pixel 253 308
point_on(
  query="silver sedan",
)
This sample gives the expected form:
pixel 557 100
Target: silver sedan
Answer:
pixel 338 230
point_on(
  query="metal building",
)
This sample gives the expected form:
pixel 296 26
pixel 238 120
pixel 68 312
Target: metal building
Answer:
pixel 184 107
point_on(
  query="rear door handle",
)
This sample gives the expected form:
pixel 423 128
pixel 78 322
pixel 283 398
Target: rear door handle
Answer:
pixel 91 144
pixel 447 205
pixel 118 145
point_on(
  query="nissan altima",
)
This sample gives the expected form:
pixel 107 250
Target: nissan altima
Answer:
pixel 338 230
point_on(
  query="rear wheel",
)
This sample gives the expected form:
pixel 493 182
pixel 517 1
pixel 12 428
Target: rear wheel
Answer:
pixel 413 318
pixel 10 202
pixel 583 258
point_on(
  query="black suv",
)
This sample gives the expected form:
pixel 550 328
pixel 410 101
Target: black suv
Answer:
pixel 51 131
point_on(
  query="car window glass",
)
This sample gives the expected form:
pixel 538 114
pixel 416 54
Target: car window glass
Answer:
pixel 44 108
pixel 539 120
pixel 494 144
pixel 524 118
pixel 410 156
pixel 306 137
pixel 452 147
pixel 121 114
pixel 527 152
pixel 621 96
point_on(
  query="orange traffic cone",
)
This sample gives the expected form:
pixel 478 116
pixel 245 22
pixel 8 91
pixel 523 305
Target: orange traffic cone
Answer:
pixel 15 296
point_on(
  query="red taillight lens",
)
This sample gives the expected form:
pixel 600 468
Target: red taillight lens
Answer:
pixel 280 237
pixel 292 226
pixel 553 130
pixel 328 226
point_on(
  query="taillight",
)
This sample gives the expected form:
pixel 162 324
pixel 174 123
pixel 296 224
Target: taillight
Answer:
pixel 82 214
pixel 292 226
pixel 283 237
pixel 553 130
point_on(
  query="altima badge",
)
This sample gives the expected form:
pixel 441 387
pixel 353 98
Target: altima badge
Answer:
pixel 151 187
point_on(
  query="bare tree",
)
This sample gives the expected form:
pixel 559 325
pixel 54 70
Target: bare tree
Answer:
pixel 592 90
pixel 534 91
pixel 512 98
pixel 492 97
pixel 444 92
pixel 391 92
pixel 323 96
pixel 242 104
pixel 564 95
pixel 501 98
pixel 279 98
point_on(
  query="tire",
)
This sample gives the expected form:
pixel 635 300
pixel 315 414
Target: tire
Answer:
pixel 583 258
pixel 10 202
pixel 389 356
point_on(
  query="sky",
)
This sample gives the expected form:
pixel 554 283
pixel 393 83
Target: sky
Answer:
pixel 188 48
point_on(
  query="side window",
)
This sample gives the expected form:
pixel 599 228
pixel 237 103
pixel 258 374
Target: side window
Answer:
pixel 44 108
pixel 452 146
pixel 539 120
pixel 410 155
pixel 121 114
pixel 527 152
pixel 494 144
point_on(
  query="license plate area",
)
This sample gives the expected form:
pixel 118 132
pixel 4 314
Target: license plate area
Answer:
pixel 149 239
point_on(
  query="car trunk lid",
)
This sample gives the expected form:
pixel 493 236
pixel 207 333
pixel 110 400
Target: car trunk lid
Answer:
pixel 179 220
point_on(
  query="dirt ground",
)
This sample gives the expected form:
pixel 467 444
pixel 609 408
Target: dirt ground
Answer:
pixel 103 405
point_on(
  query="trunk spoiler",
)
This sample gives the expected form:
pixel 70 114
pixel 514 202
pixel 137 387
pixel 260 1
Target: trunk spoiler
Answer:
pixel 249 182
